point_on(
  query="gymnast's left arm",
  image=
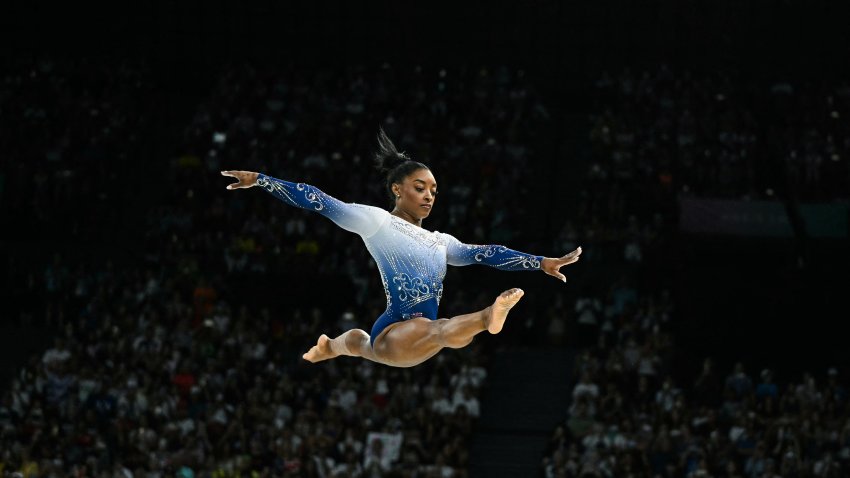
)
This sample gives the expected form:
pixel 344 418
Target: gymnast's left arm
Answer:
pixel 503 258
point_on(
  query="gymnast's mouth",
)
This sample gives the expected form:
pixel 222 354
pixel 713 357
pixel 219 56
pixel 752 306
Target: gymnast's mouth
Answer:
pixel 427 206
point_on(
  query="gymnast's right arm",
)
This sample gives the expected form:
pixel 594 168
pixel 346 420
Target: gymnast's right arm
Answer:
pixel 357 218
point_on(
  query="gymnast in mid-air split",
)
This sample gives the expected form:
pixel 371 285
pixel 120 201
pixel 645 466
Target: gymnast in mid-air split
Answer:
pixel 412 263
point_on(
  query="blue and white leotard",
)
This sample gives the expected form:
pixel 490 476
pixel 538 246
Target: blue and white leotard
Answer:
pixel 411 260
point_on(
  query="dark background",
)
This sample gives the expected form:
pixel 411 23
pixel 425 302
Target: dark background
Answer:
pixel 738 298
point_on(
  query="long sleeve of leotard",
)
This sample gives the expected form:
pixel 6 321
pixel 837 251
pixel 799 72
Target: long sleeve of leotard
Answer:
pixel 357 218
pixel 500 257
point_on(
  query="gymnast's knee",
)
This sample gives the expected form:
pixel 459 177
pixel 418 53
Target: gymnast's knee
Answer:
pixel 356 338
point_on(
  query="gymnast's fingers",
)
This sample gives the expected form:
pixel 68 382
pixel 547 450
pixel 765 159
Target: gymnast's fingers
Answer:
pixel 571 257
pixel 240 179
pixel 563 261
pixel 557 275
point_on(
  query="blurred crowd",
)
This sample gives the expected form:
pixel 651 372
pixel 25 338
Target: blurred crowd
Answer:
pixel 64 125
pixel 630 418
pixel 655 135
pixel 722 134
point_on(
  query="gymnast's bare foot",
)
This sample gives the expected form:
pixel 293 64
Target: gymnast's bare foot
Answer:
pixel 500 308
pixel 320 351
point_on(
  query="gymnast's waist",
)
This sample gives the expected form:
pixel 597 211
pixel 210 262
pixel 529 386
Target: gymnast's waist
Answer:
pixel 426 308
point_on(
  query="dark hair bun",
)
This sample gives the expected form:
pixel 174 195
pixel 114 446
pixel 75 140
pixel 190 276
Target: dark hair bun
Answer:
pixel 387 157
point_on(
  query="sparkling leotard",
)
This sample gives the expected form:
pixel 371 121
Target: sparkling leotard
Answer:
pixel 412 261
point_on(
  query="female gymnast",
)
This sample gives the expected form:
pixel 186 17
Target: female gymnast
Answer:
pixel 412 263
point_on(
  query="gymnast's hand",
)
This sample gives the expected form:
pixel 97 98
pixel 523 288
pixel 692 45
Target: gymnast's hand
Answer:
pixel 552 265
pixel 246 179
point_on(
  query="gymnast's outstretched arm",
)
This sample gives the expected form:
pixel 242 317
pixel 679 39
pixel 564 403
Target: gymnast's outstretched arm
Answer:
pixel 503 258
pixel 357 218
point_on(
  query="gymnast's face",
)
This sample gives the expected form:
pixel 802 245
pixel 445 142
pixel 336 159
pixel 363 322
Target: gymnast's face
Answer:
pixel 416 193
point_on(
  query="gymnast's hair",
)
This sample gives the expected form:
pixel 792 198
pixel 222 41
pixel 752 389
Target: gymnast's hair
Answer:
pixel 394 164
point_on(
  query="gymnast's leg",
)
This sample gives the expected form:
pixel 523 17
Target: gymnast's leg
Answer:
pixel 409 343
pixel 353 343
